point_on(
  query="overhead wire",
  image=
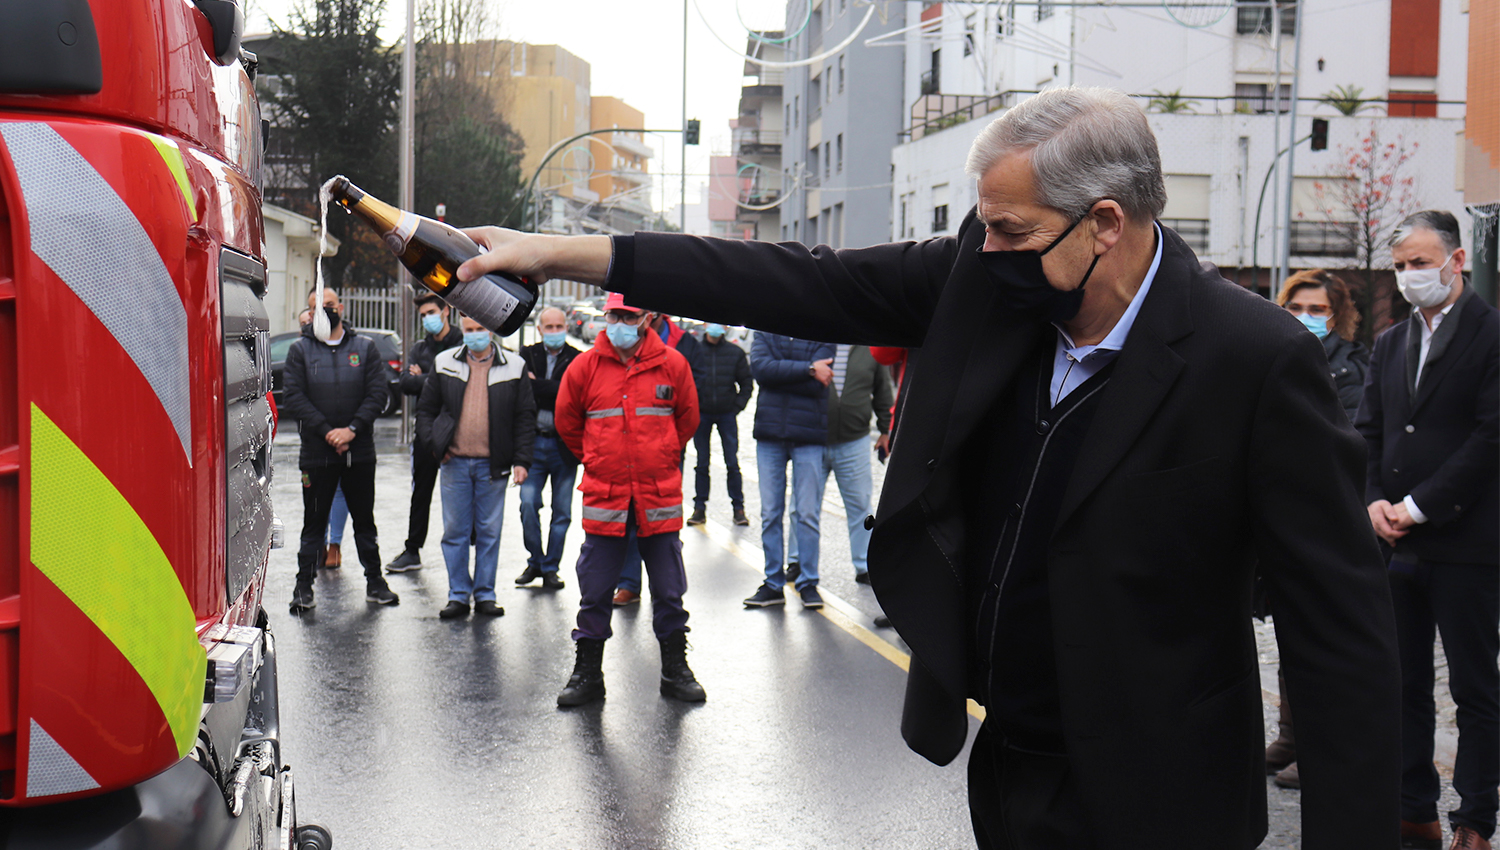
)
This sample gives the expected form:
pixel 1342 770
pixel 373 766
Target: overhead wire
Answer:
pixel 798 63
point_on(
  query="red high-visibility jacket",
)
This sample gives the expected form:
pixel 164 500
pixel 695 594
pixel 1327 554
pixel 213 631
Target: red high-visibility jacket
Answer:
pixel 629 424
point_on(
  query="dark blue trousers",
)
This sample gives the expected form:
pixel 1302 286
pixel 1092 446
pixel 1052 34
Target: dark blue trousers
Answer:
pixel 729 439
pixel 1462 603
pixel 599 564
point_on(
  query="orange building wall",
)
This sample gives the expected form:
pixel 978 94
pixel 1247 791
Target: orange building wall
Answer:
pixel 1482 123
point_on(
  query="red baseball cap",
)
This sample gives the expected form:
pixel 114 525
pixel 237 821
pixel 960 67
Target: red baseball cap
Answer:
pixel 616 301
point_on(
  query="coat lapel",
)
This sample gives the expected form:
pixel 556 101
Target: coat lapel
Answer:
pixel 1145 371
pixel 1439 359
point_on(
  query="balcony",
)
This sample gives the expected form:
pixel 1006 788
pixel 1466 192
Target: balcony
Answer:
pixel 628 143
pixel 932 82
pixel 630 175
pixel 752 141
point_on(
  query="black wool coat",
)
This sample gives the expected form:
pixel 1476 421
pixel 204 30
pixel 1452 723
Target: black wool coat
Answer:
pixel 1440 446
pixel 1219 442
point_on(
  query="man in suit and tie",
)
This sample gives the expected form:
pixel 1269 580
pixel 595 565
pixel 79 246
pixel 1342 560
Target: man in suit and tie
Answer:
pixel 1099 442
pixel 1431 413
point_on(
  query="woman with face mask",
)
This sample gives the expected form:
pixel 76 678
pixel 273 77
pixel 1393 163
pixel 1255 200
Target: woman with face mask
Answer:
pixel 1320 301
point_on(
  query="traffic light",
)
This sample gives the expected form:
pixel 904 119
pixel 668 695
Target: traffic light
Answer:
pixel 691 132
pixel 1320 134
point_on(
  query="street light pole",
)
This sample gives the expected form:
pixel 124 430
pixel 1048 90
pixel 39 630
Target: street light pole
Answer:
pixel 1285 259
pixel 408 194
pixel 682 203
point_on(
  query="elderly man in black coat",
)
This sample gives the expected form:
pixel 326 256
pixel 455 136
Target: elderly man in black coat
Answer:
pixel 1098 443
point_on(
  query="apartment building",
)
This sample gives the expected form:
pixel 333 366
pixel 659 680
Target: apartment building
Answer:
pixel 620 180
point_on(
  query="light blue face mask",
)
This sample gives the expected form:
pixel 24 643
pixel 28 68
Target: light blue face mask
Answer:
pixel 477 341
pixel 432 322
pixel 714 331
pixel 555 341
pixel 622 335
pixel 1317 324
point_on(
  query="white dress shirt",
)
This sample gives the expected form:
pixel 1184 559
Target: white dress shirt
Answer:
pixel 1427 333
pixel 1073 364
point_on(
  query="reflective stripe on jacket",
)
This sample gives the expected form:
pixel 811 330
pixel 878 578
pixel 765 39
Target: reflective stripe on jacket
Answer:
pixel 629 424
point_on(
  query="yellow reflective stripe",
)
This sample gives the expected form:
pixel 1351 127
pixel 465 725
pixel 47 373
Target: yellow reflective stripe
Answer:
pixel 173 157
pixel 89 541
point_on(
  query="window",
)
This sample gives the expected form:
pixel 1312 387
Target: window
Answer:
pixel 932 78
pixel 827 159
pixel 1257 97
pixel 815 99
pixel 1256 20
pixel 906 228
pixel 812 230
pixel 1324 238
pixel 836 228
pixel 841 73
pixel 843 6
pixel 969 33
pixel 789 116
pixel 828 92
pixel 812 167
pixel 940 218
pixel 1194 231
pixel 1044 10
pixel 815 32
pixel 839 162
pixel 796 108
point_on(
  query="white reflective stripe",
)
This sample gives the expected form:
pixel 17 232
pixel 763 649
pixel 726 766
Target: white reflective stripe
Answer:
pixel 606 515
pixel 658 514
pixel 49 768
pixel 85 233
pixel 601 414
pixel 653 411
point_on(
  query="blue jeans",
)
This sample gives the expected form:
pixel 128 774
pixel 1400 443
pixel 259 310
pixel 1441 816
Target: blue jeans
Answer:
pixel 850 463
pixel 547 463
pixel 729 438
pixel 338 517
pixel 474 504
pixel 771 457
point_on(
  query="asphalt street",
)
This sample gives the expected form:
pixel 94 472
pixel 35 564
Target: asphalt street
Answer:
pixel 406 731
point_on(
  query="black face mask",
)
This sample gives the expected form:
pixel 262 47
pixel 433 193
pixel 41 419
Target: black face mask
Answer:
pixel 333 317
pixel 1023 285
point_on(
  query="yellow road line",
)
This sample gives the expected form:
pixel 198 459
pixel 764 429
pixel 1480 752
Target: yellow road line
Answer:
pixel 835 610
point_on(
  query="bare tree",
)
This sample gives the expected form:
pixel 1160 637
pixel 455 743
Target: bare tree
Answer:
pixel 1361 202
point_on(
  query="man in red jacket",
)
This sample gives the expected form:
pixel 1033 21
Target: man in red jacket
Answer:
pixel 627 408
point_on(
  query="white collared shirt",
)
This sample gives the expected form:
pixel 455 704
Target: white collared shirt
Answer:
pixel 1073 364
pixel 1427 334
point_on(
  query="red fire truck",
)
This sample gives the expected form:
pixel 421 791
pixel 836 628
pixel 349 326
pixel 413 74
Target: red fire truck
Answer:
pixel 138 699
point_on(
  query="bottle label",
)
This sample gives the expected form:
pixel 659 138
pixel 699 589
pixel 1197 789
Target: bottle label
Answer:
pixel 400 237
pixel 484 301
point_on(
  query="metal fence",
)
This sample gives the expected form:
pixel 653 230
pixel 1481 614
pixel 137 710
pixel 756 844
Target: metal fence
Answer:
pixel 374 307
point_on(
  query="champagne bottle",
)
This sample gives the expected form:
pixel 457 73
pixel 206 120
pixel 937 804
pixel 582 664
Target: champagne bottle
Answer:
pixel 432 251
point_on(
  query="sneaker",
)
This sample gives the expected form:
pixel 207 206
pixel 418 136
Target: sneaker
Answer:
pixel 698 517
pixel 454 610
pixel 811 599
pixel 302 598
pixel 625 597
pixel 529 575
pixel 550 581
pixel 380 593
pixel 405 562
pixel 862 578
pixel 793 572
pixel 740 518
pixel 489 608
pixel 766 596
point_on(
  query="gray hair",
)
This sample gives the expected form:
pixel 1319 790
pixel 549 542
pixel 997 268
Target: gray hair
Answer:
pixel 1440 222
pixel 1086 144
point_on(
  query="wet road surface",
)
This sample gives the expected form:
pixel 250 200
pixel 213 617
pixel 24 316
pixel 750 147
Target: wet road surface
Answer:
pixel 410 732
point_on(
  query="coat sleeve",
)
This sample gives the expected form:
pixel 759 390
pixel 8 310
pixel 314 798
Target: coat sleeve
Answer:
pixel 1351 385
pixel 429 405
pixel 524 423
pixel 775 371
pixel 1334 622
pixel 1467 473
pixel 294 391
pixel 883 400
pixel 742 379
pixel 412 384
pixel 887 355
pixel 568 417
pixel 376 392
pixel 1369 421
pixel 883 295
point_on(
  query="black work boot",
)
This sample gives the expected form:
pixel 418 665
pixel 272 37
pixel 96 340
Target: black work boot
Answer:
pixel 677 680
pixel 1282 752
pixel 587 682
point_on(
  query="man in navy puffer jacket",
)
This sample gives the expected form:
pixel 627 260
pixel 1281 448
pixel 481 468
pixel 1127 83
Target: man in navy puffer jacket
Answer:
pixel 791 424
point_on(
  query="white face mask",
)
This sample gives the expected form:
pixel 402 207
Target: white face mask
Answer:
pixel 1425 287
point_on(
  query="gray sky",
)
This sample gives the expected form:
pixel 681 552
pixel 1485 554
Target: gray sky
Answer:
pixel 635 50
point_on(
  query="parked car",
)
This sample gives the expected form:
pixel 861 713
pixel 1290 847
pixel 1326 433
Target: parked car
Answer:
pixel 388 343
pixel 592 327
pixel 578 318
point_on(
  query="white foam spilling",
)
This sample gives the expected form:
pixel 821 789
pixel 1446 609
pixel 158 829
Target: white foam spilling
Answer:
pixel 322 329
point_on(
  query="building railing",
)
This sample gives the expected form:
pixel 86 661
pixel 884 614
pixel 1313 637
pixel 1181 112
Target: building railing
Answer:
pixel 934 112
pixel 744 138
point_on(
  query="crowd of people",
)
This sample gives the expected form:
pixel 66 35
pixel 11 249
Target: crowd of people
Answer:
pixel 1104 450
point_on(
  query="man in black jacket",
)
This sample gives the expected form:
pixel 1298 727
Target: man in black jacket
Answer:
pixel 477 417
pixel 1431 416
pixel 722 372
pixel 1180 430
pixel 335 389
pixel 432 311
pixel 546 361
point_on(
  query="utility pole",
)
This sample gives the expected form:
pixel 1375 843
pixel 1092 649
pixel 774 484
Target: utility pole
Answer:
pixel 1275 140
pixel 682 203
pixel 1284 263
pixel 408 194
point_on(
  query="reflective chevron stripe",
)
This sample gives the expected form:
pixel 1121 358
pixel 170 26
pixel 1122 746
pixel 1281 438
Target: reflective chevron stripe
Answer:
pixel 604 514
pixel 653 411
pixel 659 514
pixel 90 543
pixel 91 239
pixel 602 414
pixel 50 770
